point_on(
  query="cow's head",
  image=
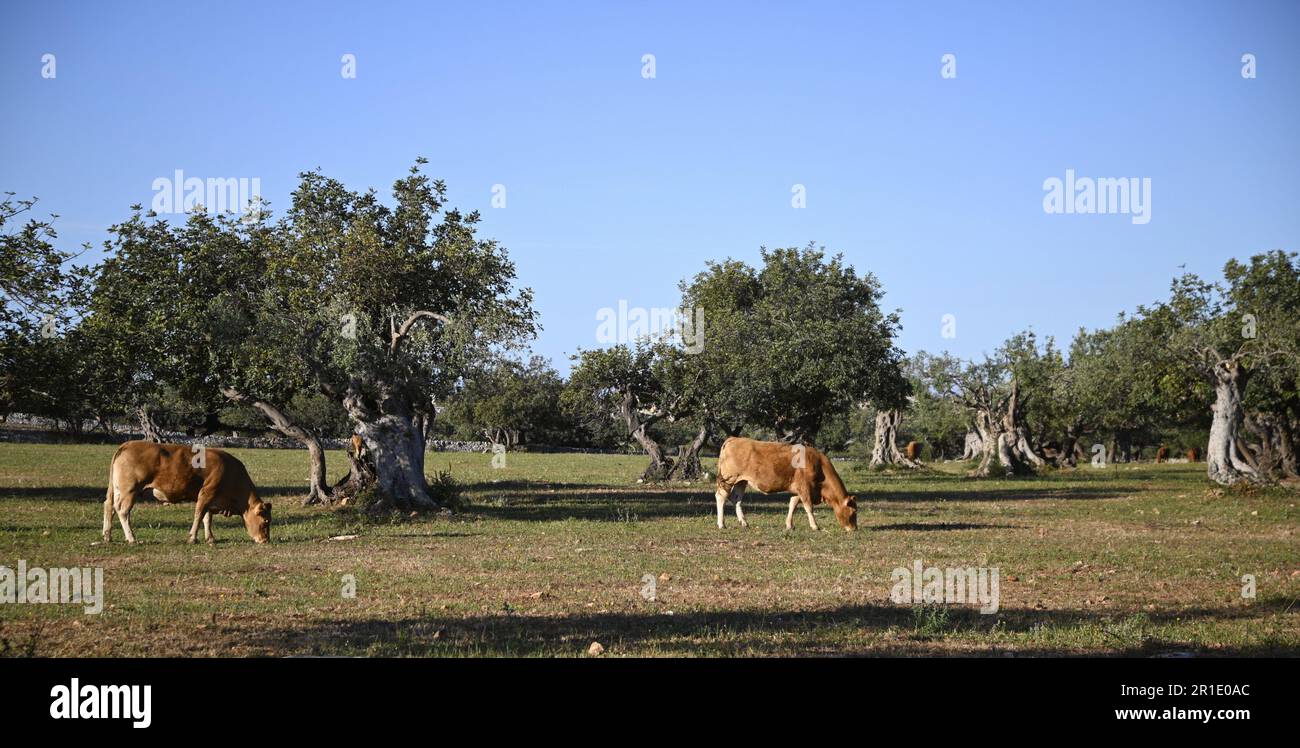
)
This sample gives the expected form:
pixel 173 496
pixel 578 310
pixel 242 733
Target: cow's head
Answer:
pixel 257 520
pixel 847 514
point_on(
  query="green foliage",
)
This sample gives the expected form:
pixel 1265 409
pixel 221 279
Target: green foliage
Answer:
pixel 1268 289
pixel 791 344
pixel 510 402
pixel 347 263
pixel 446 491
pixel 606 384
pixel 932 418
pixel 42 355
pixel 930 620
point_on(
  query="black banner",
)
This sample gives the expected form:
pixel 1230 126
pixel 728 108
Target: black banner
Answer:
pixel 941 696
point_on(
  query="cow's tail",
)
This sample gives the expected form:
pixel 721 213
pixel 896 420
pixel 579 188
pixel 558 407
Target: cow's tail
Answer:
pixel 722 461
pixel 108 499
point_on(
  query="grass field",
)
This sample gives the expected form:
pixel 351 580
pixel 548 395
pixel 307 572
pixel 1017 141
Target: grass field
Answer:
pixel 550 554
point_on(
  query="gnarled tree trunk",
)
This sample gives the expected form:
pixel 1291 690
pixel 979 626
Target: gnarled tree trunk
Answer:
pixel 394 447
pixel 1274 456
pixel 660 466
pixel 989 430
pixel 886 451
pixel 687 467
pixel 508 438
pixel 360 473
pixel 1004 437
pixel 148 428
pixel 316 492
pixel 1015 437
pixel 1223 461
pixel 1068 456
pixel 973 446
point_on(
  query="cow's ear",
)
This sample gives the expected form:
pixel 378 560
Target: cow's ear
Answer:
pixel 266 507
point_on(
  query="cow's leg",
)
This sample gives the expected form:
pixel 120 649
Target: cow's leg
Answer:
pixel 123 502
pixel 207 529
pixel 789 516
pixel 720 495
pixel 807 507
pixel 200 509
pixel 108 516
pixel 737 493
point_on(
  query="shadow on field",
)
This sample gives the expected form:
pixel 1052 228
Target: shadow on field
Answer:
pixel 56 493
pixel 96 494
pixel 937 526
pixel 521 500
pixel 742 632
pixel 533 486
pixel 1014 493
pixel 550 502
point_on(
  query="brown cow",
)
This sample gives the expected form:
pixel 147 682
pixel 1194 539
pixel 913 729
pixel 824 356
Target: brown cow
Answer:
pixel 357 445
pixel 913 451
pixel 1193 454
pixel 1162 454
pixel 772 466
pixel 214 480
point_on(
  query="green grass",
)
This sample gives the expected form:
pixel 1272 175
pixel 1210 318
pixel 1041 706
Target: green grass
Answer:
pixel 550 553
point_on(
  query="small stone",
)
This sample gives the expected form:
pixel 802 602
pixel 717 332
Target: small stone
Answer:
pixel 596 649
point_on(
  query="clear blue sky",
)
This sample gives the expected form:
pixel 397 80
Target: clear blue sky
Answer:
pixel 619 186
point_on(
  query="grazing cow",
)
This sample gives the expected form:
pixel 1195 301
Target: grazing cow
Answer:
pixel 913 451
pixel 214 480
pixel 1193 454
pixel 1162 454
pixel 772 466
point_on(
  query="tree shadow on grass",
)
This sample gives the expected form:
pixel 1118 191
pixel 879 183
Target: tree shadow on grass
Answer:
pixel 590 503
pixel 937 526
pixel 1028 492
pixel 739 632
pixel 488 486
pixel 95 494
pixel 545 502
pixel 55 493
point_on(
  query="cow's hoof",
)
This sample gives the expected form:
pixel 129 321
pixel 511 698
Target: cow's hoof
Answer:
pixel 211 541
pixel 191 540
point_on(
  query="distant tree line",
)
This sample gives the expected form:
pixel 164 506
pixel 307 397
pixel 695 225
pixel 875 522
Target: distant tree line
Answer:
pixel 396 322
pixel 1214 368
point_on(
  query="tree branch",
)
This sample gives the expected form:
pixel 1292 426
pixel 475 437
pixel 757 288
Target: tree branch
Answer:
pixel 400 333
